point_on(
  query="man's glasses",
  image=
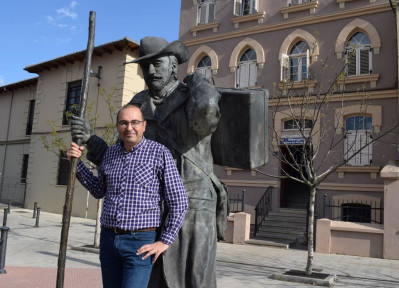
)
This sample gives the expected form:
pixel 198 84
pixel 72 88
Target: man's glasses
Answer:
pixel 124 123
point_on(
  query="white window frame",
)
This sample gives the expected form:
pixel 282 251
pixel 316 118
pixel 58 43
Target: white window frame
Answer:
pixel 205 70
pixel 297 2
pixel 239 7
pixel 206 12
pixel 246 74
pixel 355 139
pixel 285 66
pixel 354 54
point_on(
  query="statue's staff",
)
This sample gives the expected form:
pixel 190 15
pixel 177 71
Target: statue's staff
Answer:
pixel 66 217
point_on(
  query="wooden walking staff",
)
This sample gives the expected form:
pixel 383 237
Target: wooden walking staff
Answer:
pixel 66 217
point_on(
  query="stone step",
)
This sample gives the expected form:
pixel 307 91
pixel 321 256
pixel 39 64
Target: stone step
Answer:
pixel 279 218
pixel 283 236
pixel 282 230
pixel 293 211
pixel 287 225
pixel 285 244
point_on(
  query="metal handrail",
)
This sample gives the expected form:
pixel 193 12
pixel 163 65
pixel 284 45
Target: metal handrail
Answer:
pixel 263 207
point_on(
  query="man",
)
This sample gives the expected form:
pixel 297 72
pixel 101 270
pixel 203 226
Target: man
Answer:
pixel 183 119
pixel 134 177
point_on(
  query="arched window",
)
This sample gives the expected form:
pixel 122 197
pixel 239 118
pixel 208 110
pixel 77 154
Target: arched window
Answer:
pixel 246 71
pixel 206 11
pixel 295 66
pixel 358 55
pixel 358 136
pixel 204 66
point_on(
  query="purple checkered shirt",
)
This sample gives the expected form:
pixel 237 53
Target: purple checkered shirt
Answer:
pixel 133 185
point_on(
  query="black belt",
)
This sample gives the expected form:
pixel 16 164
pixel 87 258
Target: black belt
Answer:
pixel 121 231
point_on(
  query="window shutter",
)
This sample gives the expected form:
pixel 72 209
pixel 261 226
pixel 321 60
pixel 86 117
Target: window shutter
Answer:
pixel 284 63
pixel 366 153
pixel 351 62
pixel 255 6
pixel 252 74
pixel 350 148
pixel 237 7
pixel 306 74
pixel 202 14
pixel 364 61
pixel 211 12
pixel 371 61
pixel 242 75
pixel 353 143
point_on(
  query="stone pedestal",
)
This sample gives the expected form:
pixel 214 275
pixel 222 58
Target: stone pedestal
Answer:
pixel 323 236
pixel 238 228
pixel 390 175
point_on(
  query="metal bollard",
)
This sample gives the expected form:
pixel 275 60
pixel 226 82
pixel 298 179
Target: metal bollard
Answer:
pixel 37 217
pixel 3 248
pixel 5 217
pixel 9 206
pixel 243 201
pixel 34 209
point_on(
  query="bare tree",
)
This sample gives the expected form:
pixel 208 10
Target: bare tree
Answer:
pixel 314 111
pixel 58 143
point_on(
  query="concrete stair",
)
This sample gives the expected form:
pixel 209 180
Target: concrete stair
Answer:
pixel 286 226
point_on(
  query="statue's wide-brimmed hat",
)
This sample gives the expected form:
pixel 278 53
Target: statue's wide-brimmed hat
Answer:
pixel 154 47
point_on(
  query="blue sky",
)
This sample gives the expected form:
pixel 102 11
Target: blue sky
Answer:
pixel 34 31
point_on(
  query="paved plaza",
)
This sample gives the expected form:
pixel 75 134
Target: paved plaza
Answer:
pixel 32 255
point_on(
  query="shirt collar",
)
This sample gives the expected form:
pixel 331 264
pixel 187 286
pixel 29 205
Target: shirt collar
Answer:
pixel 135 148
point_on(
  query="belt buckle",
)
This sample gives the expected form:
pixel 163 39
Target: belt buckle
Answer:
pixel 118 230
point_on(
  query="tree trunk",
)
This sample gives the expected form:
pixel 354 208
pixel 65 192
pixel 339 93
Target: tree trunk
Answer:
pixel 309 265
pixel 98 224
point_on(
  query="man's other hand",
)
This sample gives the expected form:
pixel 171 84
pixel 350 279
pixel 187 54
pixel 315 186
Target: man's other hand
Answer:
pixel 80 129
pixel 156 248
pixel 74 151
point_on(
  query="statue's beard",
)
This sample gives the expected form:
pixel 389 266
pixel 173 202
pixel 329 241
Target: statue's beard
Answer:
pixel 158 82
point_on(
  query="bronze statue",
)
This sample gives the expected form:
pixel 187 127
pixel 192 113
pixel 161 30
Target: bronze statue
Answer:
pixel 183 118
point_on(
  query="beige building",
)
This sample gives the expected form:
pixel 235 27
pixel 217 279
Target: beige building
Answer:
pixel 16 114
pixel 44 100
pixel 282 46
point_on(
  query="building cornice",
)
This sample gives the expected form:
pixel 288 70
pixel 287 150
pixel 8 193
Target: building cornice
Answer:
pixel 17 85
pixel 20 141
pixel 291 24
pixel 353 96
pixel 100 50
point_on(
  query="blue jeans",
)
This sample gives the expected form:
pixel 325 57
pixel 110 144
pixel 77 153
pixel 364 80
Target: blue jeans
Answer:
pixel 120 266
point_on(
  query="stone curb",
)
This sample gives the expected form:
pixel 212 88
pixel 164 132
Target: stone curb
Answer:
pixel 328 281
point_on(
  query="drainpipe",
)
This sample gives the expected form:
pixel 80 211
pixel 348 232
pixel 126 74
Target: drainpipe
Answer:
pixel 397 50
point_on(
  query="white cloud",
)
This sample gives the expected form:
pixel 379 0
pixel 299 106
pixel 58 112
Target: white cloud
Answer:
pixel 68 11
pixel 50 19
pixel 1 80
